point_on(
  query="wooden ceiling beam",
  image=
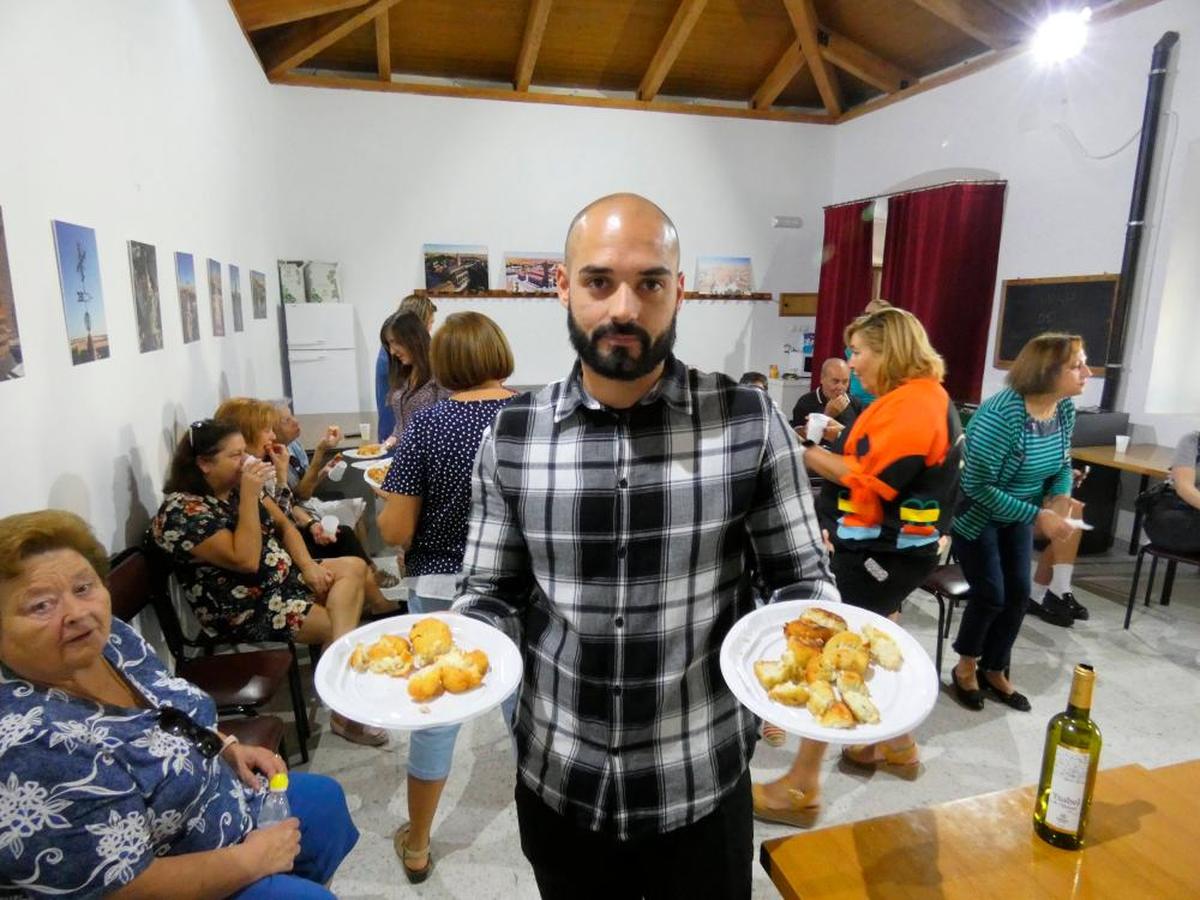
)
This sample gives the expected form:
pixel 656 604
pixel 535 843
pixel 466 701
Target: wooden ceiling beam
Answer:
pixel 304 40
pixel 1015 9
pixel 863 64
pixel 686 16
pixel 781 75
pixel 531 44
pixel 256 15
pixel 804 21
pixel 977 18
pixel 383 46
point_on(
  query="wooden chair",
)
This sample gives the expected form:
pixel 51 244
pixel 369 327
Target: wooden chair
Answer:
pixel 1156 553
pixel 239 682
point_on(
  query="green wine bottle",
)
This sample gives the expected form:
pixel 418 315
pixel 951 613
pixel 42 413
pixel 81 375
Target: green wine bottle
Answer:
pixel 1069 763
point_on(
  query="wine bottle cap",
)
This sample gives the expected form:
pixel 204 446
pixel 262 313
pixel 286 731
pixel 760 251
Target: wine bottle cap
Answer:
pixel 1081 686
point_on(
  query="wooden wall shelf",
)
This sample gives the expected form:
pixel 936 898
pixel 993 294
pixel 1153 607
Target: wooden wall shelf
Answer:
pixel 535 295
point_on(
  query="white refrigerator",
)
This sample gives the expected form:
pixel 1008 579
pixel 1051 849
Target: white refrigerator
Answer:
pixel 321 357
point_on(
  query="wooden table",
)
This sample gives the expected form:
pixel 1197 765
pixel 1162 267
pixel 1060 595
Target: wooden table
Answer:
pixel 312 427
pixel 1142 842
pixel 1147 460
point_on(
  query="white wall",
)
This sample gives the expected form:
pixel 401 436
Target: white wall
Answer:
pixel 1046 133
pixel 371 177
pixel 149 121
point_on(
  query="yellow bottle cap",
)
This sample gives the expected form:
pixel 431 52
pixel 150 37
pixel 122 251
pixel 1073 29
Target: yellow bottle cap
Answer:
pixel 279 781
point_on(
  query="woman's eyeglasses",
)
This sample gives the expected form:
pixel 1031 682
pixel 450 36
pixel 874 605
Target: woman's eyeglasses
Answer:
pixel 177 722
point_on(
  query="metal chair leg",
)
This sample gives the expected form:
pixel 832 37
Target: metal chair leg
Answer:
pixel 941 636
pixel 1150 579
pixel 1137 574
pixel 299 707
pixel 1168 583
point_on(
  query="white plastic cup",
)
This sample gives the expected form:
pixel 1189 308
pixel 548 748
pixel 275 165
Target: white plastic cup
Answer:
pixel 269 484
pixel 338 470
pixel 1122 441
pixel 329 525
pixel 814 429
pixel 364 429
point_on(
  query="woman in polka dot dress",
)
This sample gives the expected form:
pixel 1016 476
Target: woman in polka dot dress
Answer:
pixel 428 489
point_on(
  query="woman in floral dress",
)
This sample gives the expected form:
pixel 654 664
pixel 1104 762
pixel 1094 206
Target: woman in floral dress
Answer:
pixel 240 561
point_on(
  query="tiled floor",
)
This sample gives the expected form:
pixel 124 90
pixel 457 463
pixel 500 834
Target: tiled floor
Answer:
pixel 1146 703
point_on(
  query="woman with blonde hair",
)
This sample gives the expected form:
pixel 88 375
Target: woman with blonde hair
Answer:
pixel 429 501
pixel 890 496
pixel 1017 481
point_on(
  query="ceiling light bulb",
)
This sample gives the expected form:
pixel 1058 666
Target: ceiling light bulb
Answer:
pixel 1061 36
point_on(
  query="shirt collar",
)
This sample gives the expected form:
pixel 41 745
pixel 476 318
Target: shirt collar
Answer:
pixel 672 388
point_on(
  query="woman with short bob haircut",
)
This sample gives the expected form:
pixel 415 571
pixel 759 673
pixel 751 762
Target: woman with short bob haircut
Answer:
pixel 117 777
pixel 1017 481
pixel 428 490
pixel 889 498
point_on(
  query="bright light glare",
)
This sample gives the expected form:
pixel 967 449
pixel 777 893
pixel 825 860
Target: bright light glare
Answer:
pixel 1061 36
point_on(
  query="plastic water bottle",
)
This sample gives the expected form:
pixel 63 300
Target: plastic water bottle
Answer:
pixel 275 805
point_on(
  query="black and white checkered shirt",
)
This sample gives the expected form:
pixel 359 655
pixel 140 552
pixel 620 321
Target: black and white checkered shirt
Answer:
pixel 612 546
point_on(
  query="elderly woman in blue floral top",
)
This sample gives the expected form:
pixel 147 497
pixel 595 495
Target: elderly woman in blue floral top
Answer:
pixel 241 562
pixel 113 777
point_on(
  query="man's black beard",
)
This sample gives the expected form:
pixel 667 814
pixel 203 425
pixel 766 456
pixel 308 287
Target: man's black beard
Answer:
pixel 619 364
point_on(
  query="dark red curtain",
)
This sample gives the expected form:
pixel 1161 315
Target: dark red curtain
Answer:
pixel 845 285
pixel 939 263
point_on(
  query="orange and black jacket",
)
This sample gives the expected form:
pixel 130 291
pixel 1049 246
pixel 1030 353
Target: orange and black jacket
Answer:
pixel 904 453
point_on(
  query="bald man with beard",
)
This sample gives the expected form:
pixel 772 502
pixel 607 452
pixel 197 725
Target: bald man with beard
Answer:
pixel 612 516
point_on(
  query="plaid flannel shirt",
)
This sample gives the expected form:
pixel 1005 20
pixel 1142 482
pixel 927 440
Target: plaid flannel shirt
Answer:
pixel 612 546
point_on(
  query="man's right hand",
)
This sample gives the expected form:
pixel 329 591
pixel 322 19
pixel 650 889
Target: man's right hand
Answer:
pixel 274 849
pixel 837 405
pixel 331 438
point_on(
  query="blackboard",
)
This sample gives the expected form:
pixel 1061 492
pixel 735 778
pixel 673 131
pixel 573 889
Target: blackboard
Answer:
pixel 1081 304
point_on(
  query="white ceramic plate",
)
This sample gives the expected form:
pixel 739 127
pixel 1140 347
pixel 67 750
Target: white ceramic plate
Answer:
pixel 356 454
pixel 904 698
pixel 383 701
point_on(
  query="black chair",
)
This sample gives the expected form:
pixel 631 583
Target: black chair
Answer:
pixel 1156 553
pixel 239 682
pixel 948 586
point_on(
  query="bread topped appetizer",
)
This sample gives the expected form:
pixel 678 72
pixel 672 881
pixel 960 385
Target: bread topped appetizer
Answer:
pixel 826 667
pixel 427 657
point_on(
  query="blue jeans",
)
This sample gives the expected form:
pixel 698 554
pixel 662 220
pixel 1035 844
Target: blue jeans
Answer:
pixel 431 750
pixel 326 835
pixel 996 566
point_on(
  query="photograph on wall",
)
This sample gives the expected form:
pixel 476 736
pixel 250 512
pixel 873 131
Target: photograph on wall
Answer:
pixel 12 363
pixel 530 273
pixel 235 297
pixel 83 298
pixel 729 276
pixel 143 269
pixel 455 269
pixel 215 299
pixel 189 312
pixel 258 294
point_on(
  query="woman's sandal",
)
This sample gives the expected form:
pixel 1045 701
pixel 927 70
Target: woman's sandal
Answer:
pixel 406 855
pixel 801 812
pixel 356 732
pixel 774 735
pixel 903 762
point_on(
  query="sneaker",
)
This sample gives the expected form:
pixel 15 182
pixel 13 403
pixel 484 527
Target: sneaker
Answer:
pixel 1054 611
pixel 1078 610
pixel 385 579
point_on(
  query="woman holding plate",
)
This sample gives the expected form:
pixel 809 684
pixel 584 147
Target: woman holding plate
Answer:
pixel 891 494
pixel 429 501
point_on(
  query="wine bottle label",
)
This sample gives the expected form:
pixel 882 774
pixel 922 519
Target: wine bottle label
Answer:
pixel 1067 785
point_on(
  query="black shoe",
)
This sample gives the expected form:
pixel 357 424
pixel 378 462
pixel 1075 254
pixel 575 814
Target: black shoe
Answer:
pixel 968 698
pixel 1016 699
pixel 1078 610
pixel 1052 609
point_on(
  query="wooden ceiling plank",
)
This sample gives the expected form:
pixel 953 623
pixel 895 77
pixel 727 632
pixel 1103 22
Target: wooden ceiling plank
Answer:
pixel 863 64
pixel 383 46
pixel 781 75
pixel 982 21
pixel 256 15
pixel 306 39
pixel 546 97
pixel 1015 9
pixel 535 30
pixel 804 21
pixel 668 50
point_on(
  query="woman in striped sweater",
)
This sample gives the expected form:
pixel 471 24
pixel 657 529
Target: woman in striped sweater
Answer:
pixel 1017 480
